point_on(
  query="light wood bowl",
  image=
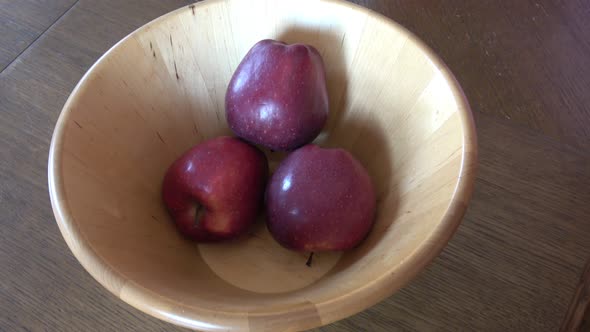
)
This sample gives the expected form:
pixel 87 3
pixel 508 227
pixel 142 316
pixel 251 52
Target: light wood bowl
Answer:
pixel 394 105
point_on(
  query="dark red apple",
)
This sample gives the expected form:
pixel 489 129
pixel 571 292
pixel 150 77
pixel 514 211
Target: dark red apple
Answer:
pixel 277 96
pixel 215 190
pixel 319 200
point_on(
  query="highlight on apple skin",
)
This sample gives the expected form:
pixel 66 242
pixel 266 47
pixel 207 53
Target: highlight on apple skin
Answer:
pixel 320 200
pixel 277 96
pixel 215 190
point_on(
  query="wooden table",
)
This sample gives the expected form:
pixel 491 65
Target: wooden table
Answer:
pixel 515 263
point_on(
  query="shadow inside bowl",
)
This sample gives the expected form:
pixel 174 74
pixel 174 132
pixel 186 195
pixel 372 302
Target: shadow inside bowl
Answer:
pixel 393 105
pixel 329 45
pixel 255 261
pixel 365 139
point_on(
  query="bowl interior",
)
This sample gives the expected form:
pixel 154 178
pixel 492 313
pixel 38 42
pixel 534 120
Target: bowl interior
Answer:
pixel 161 90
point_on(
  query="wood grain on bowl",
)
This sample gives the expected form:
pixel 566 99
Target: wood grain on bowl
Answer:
pixel 514 263
pixel 396 107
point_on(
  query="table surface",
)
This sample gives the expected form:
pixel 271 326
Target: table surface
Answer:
pixel 516 263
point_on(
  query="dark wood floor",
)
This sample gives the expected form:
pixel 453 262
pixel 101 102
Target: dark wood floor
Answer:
pixel 516 263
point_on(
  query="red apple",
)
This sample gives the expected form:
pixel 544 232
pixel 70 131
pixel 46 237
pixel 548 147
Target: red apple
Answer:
pixel 277 96
pixel 320 199
pixel 215 190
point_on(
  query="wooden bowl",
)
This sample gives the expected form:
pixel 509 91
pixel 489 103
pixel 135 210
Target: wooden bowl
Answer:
pixel 160 90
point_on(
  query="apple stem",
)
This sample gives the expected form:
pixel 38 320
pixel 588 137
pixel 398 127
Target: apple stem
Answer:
pixel 199 212
pixel 309 259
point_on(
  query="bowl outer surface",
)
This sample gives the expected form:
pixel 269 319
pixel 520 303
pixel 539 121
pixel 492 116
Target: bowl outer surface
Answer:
pixel 160 90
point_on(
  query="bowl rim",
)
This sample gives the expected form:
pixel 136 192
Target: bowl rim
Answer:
pixel 349 303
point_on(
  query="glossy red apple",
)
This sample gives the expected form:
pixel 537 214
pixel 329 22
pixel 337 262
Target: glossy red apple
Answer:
pixel 277 96
pixel 319 200
pixel 215 190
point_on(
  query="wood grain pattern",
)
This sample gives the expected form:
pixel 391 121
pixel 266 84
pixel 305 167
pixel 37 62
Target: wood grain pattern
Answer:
pixel 45 289
pixel 23 21
pixel 517 257
pixel 162 89
pixel 578 315
pixel 531 58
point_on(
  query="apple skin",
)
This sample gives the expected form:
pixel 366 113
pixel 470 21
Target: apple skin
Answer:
pixel 320 200
pixel 221 183
pixel 277 96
